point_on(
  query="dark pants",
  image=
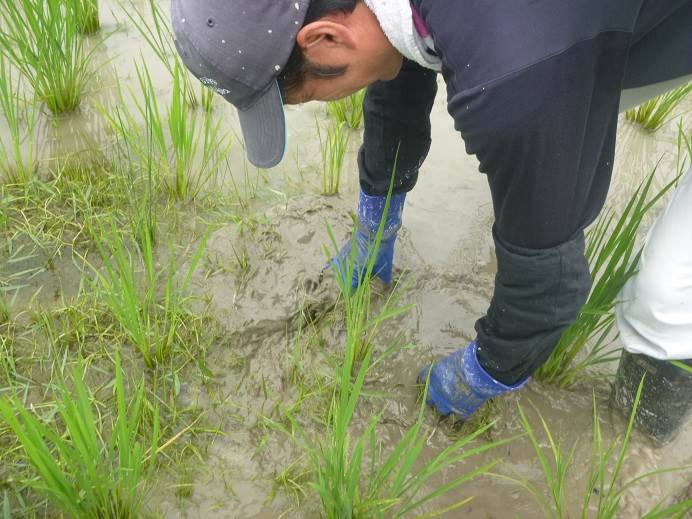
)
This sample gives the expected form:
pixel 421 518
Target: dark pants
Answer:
pixel 543 278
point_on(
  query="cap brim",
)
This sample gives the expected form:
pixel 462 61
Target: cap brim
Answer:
pixel 264 129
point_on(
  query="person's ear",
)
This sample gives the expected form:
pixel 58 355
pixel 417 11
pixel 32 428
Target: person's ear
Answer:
pixel 325 33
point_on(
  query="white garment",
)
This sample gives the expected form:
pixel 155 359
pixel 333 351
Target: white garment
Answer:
pixel 655 315
pixel 396 19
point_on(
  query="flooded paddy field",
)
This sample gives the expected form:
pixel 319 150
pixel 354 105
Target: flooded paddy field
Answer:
pixel 239 331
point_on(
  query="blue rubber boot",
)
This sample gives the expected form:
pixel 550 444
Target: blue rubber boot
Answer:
pixel 459 385
pixel 370 211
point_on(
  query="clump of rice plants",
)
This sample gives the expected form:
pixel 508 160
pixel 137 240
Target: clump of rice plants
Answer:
pixel 603 494
pixel 86 13
pixel 136 182
pixel 17 156
pixel 653 113
pixel 188 151
pixel 97 467
pixel 613 257
pixel 154 325
pixel 185 130
pixel 361 325
pixel 333 150
pixel 386 485
pixel 348 111
pixel 42 39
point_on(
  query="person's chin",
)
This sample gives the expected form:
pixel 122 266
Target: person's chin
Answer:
pixel 394 72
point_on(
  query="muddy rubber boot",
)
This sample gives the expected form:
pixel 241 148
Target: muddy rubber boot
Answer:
pixel 459 385
pixel 370 210
pixel 666 401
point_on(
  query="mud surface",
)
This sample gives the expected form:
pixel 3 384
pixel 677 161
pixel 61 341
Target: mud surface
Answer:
pixel 445 269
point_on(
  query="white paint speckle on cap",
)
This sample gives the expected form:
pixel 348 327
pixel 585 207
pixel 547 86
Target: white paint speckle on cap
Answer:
pixel 223 41
pixel 297 6
pixel 269 31
pixel 277 67
pixel 296 22
pixel 240 51
pixel 182 20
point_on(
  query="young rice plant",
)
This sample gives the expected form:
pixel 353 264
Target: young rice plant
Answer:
pixel 91 471
pixel 86 13
pixel 603 494
pixel 333 151
pixel 153 324
pixel 653 113
pixel 182 152
pixel 348 111
pixel 159 37
pixel 43 40
pixel 17 156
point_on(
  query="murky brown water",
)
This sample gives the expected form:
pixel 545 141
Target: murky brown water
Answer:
pixel 445 258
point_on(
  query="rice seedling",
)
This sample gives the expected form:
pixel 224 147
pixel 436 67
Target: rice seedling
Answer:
pixel 207 95
pixel 333 150
pixel 86 13
pixel 602 497
pixel 613 257
pixel 682 365
pixel 4 310
pixel 17 156
pixel 136 182
pixel 293 480
pixel 8 365
pixel 185 132
pixel 361 325
pixel 555 469
pixel 247 190
pixel 652 114
pixel 43 40
pixel 389 485
pixel 159 37
pixel 92 470
pixel 153 326
pixel 190 152
pixel 348 111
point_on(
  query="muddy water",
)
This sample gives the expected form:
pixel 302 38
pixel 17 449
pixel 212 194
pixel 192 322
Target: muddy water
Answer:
pixel 445 262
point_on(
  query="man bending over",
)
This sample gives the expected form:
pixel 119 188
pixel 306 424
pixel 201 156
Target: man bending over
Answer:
pixel 533 87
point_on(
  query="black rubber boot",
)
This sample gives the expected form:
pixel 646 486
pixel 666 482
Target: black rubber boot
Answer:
pixel 666 402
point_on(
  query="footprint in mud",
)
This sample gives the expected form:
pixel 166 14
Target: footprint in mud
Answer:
pixel 319 294
pixel 306 238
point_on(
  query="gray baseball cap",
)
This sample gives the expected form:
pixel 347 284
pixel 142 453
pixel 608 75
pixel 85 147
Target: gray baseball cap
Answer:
pixel 239 48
